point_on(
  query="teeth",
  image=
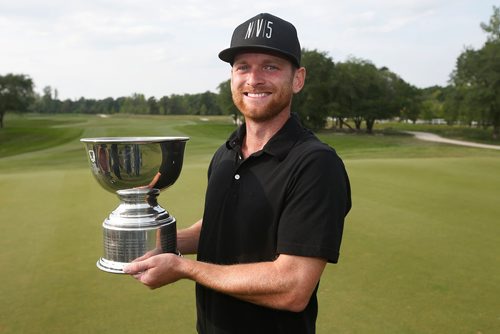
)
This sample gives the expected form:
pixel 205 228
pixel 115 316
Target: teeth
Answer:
pixel 256 94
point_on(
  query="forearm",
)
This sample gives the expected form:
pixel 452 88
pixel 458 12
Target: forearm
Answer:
pixel 286 283
pixel 187 239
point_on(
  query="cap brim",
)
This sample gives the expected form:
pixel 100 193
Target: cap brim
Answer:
pixel 228 54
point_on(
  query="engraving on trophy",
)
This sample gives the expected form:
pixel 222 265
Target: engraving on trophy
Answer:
pixel 136 169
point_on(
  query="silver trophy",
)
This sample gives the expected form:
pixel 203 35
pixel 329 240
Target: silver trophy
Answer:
pixel 137 169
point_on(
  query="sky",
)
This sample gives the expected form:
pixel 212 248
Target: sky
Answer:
pixel 112 48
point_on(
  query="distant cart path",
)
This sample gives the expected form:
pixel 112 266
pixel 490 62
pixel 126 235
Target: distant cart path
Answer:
pixel 435 138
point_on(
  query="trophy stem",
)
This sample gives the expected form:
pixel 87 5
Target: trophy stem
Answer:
pixel 137 226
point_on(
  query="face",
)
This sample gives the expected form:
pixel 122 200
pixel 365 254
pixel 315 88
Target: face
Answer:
pixel 262 85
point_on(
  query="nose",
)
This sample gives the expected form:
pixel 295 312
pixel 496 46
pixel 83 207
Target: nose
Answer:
pixel 254 77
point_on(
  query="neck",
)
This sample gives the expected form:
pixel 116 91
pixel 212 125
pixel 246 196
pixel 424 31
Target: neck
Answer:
pixel 259 133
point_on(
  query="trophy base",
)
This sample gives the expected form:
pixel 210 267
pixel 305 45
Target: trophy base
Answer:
pixel 135 228
pixel 111 266
pixel 114 267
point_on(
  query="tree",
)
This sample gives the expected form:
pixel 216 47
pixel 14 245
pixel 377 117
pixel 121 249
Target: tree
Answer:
pixel 314 102
pixel 350 81
pixel 154 108
pixel 366 93
pixel 135 104
pixel 208 104
pixel 16 94
pixel 433 104
pixel 345 92
pixel 410 100
pixel 493 27
pixel 177 105
pixel 381 99
pixel 225 99
pixel 164 105
pixel 46 103
pixel 476 78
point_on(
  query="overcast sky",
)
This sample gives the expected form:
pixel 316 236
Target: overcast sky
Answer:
pixel 112 48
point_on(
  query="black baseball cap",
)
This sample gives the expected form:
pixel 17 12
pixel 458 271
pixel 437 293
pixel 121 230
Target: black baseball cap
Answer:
pixel 264 32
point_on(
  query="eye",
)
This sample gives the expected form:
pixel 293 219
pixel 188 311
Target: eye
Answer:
pixel 270 67
pixel 240 67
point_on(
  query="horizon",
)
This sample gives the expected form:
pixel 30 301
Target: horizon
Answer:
pixel 98 49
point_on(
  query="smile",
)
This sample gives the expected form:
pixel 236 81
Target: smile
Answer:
pixel 257 95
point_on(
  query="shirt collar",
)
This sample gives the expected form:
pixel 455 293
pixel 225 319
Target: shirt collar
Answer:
pixel 279 145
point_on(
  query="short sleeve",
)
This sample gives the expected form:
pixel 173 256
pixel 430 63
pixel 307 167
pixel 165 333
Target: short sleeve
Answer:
pixel 318 199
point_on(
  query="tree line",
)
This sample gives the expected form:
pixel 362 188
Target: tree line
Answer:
pixel 353 93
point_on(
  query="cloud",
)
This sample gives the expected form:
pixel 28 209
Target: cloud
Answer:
pixel 100 48
pixel 108 32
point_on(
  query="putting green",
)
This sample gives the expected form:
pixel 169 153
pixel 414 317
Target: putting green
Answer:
pixel 420 251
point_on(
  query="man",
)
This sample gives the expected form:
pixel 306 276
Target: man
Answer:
pixel 275 202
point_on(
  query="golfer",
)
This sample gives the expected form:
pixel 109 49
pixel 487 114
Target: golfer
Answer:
pixel 275 202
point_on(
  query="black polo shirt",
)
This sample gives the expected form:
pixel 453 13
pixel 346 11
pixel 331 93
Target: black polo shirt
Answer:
pixel 289 198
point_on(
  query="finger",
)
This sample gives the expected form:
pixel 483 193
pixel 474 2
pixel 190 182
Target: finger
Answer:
pixel 136 267
pixel 147 255
pixel 148 279
pixel 142 258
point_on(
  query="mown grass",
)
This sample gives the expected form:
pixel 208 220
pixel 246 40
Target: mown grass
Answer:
pixel 420 251
pixel 476 134
pixel 28 134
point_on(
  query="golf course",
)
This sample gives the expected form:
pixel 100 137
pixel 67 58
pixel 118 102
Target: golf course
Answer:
pixel 420 251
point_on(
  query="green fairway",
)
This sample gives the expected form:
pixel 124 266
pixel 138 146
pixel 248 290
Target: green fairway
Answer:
pixel 420 253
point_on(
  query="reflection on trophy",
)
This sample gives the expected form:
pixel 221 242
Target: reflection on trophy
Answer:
pixel 137 169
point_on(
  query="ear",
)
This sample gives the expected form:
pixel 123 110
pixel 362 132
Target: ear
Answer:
pixel 299 79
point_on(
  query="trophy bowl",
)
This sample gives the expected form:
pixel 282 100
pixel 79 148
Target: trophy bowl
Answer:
pixel 137 169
